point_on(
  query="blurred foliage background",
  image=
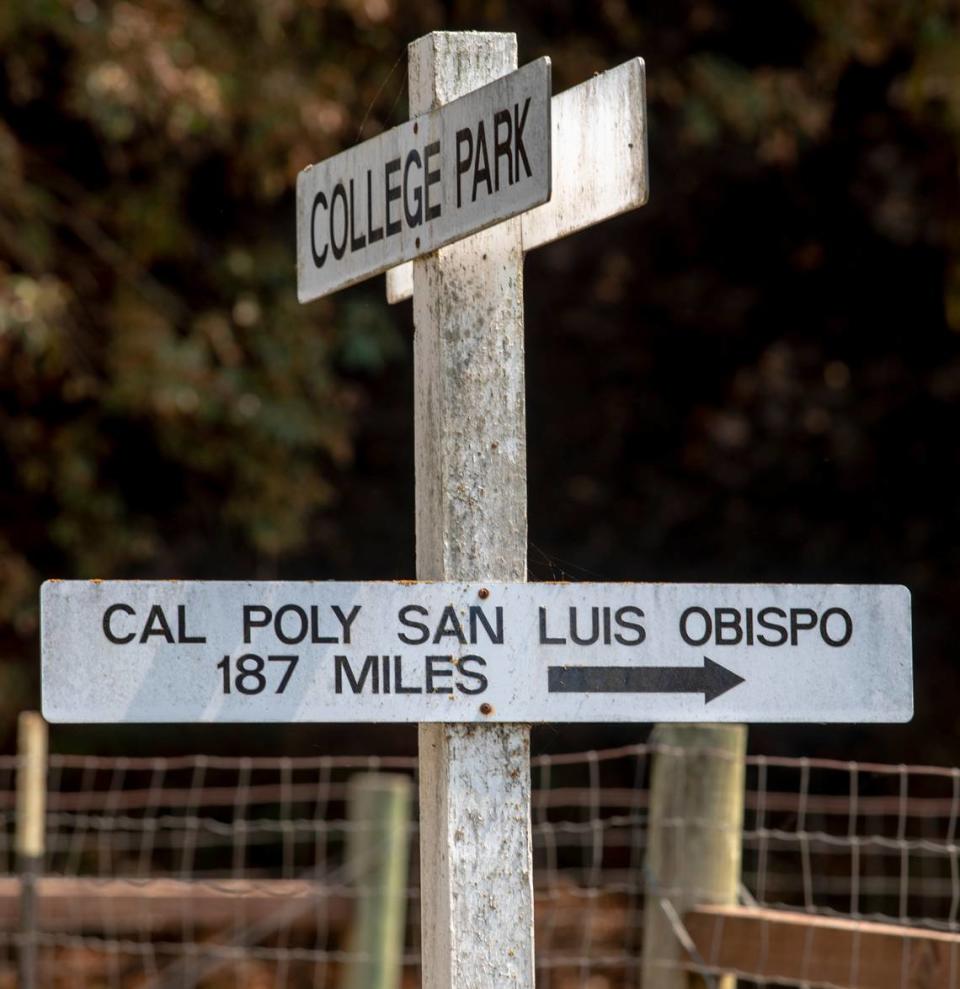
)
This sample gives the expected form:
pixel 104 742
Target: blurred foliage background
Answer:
pixel 756 377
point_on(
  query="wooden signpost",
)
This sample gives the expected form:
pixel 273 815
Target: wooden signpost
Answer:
pixel 488 167
pixel 476 871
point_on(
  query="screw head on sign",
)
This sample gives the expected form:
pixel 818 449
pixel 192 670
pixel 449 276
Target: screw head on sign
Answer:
pixel 483 593
pixel 486 708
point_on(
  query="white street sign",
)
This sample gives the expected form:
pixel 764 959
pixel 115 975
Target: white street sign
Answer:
pixel 437 178
pixel 272 651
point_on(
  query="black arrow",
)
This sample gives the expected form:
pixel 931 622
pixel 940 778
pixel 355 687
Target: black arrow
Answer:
pixel 711 680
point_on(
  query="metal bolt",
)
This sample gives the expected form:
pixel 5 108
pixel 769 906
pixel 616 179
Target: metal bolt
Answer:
pixel 486 708
pixel 483 593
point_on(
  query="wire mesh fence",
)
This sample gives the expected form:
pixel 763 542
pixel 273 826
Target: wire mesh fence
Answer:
pixel 236 872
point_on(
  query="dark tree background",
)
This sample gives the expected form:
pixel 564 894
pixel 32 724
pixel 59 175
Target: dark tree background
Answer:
pixel 756 377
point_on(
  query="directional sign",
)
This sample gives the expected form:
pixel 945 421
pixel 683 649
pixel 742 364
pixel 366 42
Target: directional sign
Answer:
pixel 437 178
pixel 248 651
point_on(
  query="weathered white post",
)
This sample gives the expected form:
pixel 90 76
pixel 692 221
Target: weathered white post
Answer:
pixel 475 851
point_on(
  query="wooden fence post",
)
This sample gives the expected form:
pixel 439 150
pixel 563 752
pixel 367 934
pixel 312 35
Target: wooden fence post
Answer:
pixel 31 812
pixel 694 841
pixel 378 844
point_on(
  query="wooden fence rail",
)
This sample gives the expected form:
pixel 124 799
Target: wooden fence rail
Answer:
pixel 780 947
pixel 124 906
pixel 801 949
